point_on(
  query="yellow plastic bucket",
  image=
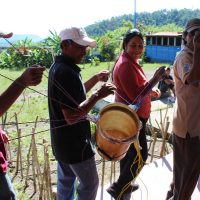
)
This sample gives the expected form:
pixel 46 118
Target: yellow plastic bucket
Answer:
pixel 117 127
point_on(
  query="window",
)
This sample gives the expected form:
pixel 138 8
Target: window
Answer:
pixel 148 40
pixel 178 41
pixel 171 41
pixel 159 40
pixel 153 40
pixel 165 41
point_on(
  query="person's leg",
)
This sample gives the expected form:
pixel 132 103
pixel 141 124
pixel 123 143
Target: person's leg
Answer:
pixel 6 188
pixel 125 164
pixel 87 175
pixel 129 168
pixel 187 166
pixel 170 191
pixel 65 182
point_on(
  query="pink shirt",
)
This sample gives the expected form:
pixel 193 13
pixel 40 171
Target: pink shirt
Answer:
pixel 130 80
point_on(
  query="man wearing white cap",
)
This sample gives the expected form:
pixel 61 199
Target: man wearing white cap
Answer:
pixel 32 76
pixel 68 110
pixel 186 123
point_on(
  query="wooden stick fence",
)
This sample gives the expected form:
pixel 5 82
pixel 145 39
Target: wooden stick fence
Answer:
pixel 40 176
pixel 41 173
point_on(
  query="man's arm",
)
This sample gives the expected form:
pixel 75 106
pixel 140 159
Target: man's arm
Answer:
pixel 74 115
pixel 194 74
pixel 101 76
pixel 32 76
pixel 89 84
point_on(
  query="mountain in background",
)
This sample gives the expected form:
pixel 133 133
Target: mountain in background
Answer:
pixel 156 18
pixel 17 37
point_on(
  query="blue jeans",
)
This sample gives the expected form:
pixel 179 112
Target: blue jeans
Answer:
pixel 6 188
pixel 88 181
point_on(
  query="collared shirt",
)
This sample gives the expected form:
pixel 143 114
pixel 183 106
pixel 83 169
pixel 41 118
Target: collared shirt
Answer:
pixel 130 80
pixel 187 112
pixel 70 143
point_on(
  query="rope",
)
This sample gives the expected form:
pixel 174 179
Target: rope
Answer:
pixel 138 159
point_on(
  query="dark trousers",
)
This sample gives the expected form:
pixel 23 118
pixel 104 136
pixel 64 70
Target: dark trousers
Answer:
pixel 6 188
pixel 128 170
pixel 186 167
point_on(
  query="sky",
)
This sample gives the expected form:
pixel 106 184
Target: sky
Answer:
pixel 39 16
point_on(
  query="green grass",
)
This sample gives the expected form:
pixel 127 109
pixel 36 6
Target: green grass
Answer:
pixel 88 70
pixel 32 104
pixel 151 67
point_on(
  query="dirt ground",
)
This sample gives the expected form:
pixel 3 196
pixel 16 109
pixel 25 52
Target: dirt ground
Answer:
pixel 108 172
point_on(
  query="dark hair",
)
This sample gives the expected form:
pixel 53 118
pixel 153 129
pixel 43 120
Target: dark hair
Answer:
pixel 65 41
pixel 184 37
pixel 129 35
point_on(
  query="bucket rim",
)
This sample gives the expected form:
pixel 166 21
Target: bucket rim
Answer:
pixel 123 107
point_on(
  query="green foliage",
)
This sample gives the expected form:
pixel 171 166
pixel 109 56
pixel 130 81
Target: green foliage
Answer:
pixel 155 19
pixel 24 53
pixel 108 34
pixel 166 28
pixel 110 44
pixel 95 61
pixel 53 42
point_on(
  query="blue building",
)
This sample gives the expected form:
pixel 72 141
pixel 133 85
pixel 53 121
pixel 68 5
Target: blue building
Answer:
pixel 162 47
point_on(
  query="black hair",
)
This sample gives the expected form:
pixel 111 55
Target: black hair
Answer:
pixel 185 33
pixel 68 41
pixel 184 37
pixel 129 35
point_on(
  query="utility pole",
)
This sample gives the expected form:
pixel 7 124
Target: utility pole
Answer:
pixel 135 14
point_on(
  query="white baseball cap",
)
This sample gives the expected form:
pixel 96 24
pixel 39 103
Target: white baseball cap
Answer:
pixel 5 35
pixel 192 25
pixel 78 35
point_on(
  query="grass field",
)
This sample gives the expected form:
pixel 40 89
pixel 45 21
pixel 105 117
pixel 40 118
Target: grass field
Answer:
pixel 34 104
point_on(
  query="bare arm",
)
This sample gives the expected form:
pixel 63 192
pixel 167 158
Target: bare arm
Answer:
pixel 101 76
pixel 31 76
pixel 154 80
pixel 89 84
pixel 73 115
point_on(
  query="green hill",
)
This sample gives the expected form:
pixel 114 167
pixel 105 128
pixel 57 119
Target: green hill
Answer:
pixel 157 18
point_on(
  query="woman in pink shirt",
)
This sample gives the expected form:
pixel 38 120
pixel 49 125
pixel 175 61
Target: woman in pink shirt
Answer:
pixel 132 88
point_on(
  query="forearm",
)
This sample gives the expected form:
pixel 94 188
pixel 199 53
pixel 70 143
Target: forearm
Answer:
pixel 10 95
pixel 90 83
pixel 194 75
pixel 147 89
pixel 74 115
